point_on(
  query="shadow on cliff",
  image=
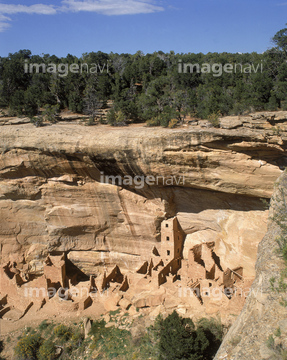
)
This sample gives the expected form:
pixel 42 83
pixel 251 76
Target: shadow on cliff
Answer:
pixel 189 200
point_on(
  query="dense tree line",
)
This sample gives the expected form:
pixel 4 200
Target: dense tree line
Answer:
pixel 160 88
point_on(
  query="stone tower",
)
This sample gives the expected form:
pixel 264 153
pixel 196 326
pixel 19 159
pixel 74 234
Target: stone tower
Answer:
pixel 172 238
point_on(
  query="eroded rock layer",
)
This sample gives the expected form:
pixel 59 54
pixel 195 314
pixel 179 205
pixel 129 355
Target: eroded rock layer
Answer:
pixel 53 199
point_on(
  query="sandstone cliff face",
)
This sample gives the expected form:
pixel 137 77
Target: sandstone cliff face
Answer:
pixel 262 313
pixel 52 198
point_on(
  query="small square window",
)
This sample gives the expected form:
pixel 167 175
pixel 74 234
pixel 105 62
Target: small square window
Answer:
pixel 166 225
pixel 167 238
pixel 168 252
pixel 178 250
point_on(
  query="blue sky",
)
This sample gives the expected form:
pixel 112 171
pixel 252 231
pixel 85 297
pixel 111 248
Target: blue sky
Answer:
pixel 125 26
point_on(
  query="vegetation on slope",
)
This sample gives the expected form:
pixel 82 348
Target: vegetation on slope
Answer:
pixel 171 338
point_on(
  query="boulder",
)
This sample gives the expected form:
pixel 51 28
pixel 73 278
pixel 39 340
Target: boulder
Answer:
pixel 124 303
pixel 230 122
pixel 87 326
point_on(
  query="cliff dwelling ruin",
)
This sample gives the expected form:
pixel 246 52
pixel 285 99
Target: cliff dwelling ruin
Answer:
pixel 168 278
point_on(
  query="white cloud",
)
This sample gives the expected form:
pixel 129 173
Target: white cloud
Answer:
pixel 4 22
pixel 32 9
pixel 15 9
pixel 112 7
pixel 105 7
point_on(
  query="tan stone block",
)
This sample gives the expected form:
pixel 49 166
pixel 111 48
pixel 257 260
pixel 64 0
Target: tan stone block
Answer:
pixel 140 303
pixel 111 303
pixel 124 303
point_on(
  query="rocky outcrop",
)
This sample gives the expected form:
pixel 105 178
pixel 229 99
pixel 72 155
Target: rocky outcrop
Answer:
pixel 273 120
pixel 260 330
pixel 53 198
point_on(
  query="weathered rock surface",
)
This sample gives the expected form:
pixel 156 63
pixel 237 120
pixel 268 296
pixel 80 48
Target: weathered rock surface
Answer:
pixel 263 312
pixel 52 198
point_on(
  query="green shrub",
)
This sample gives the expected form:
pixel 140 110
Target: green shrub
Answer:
pixel 102 120
pixel 47 351
pixel 164 119
pixel 28 329
pixel 153 122
pixel 114 312
pixel 214 119
pixel 13 112
pixel 272 283
pixel 37 121
pixel 277 332
pixel 44 324
pixel 51 113
pixel 179 339
pixel 111 116
pixel 116 118
pixel 121 117
pixel 172 124
pixel 111 341
pixel 239 109
pixel 148 346
pixel 63 332
pixel 76 340
pixel 97 328
pixel 284 105
pixel 213 326
pixel 49 330
pixel 91 121
pixel 27 348
pixel 270 342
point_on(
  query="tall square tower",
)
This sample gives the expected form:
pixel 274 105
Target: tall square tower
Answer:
pixel 172 239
